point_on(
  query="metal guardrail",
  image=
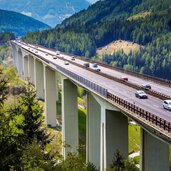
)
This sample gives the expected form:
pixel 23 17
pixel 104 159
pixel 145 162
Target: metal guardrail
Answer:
pixel 95 87
pixel 133 73
pixel 141 112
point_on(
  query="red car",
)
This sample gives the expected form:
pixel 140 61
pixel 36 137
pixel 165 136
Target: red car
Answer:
pixel 124 78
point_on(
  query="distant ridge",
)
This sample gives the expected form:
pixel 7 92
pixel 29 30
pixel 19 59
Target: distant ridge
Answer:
pixel 51 12
pixel 19 24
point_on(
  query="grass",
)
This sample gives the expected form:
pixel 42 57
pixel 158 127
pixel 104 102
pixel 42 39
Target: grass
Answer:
pixel 82 132
pixel 56 144
pixel 140 15
pixel 134 137
pixel 119 45
pixel 82 122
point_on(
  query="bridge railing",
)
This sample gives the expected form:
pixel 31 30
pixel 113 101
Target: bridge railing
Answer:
pixel 133 73
pixel 141 112
pixel 93 86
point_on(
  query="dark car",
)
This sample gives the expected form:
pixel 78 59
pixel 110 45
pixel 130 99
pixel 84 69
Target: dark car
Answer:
pixel 72 58
pixel 141 94
pixel 146 86
pixel 54 57
pixel 86 64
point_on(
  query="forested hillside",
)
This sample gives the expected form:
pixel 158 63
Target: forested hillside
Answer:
pixel 4 48
pixel 18 23
pixel 146 22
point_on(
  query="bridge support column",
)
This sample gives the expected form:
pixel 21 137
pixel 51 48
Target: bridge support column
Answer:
pixel 113 133
pixel 26 75
pixel 20 64
pixel 93 131
pixel 14 55
pixel 50 96
pixel 114 127
pixel 69 117
pixel 39 79
pixel 154 153
pixel 31 69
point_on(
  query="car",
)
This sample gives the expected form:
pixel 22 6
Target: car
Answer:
pixel 57 52
pixel 146 86
pixel 46 54
pixel 141 94
pixel 66 63
pixel 54 57
pixel 167 104
pixel 72 58
pixel 97 69
pixel 124 78
pixel 94 65
pixel 36 51
pixel 86 64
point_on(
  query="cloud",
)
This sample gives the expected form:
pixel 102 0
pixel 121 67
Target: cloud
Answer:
pixel 48 16
pixel 92 1
pixel 27 13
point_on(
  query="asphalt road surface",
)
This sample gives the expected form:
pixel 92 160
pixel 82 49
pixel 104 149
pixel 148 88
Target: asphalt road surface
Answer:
pixel 152 104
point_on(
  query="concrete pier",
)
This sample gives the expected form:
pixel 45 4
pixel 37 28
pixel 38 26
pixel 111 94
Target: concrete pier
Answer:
pixel 93 131
pixel 50 96
pixel 39 79
pixel 154 153
pixel 31 69
pixel 69 117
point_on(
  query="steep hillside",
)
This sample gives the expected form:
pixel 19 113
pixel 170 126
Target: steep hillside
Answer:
pixel 51 12
pixel 107 10
pixel 145 22
pixel 18 23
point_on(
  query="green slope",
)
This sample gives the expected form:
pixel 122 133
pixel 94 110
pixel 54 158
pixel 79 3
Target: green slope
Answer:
pixel 18 23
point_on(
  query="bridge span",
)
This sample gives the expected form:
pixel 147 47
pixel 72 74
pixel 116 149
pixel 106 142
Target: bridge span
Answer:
pixel 111 102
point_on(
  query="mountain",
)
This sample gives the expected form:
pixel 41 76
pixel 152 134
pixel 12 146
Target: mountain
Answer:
pixel 51 12
pixel 19 24
pixel 106 10
pixel 144 22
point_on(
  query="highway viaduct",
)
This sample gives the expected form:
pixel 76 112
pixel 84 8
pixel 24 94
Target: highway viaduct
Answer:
pixel 110 104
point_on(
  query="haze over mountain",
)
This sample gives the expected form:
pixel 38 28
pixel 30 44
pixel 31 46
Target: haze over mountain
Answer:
pixel 51 12
pixel 19 24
